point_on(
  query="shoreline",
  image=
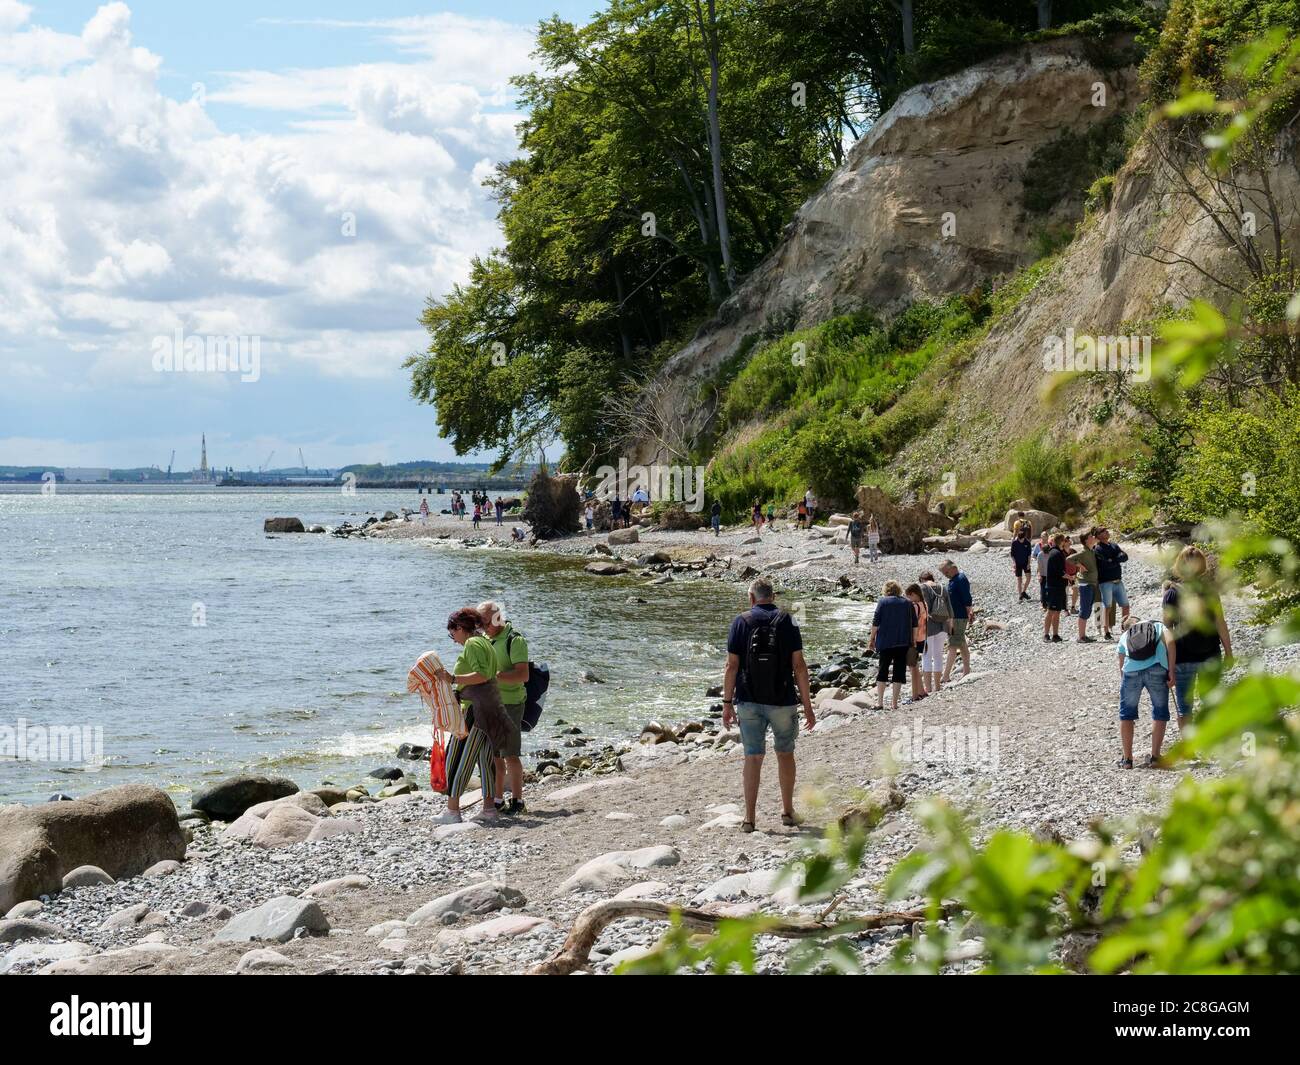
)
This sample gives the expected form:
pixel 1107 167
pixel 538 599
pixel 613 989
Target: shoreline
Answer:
pixel 674 803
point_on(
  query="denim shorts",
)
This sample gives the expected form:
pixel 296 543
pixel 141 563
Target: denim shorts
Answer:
pixel 1087 597
pixel 1186 685
pixel 755 719
pixel 1113 593
pixel 1155 681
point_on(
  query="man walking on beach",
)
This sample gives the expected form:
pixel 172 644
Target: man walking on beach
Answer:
pixel 1110 573
pixel 715 518
pixel 765 682
pixel 963 610
pixel 512 674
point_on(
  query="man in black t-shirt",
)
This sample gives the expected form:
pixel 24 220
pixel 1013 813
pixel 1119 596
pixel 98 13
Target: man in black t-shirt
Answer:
pixel 1054 586
pixel 765 662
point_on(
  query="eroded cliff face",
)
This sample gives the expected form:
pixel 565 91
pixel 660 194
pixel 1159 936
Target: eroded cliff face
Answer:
pixel 928 203
pixel 1154 248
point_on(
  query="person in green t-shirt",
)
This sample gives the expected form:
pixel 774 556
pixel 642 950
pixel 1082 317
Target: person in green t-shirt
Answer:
pixel 477 664
pixel 512 674
pixel 1089 582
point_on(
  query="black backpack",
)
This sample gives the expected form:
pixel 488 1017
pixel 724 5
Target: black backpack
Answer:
pixel 1142 641
pixel 767 671
pixel 535 689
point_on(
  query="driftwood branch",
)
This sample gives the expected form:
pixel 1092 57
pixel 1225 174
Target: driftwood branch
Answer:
pixel 593 920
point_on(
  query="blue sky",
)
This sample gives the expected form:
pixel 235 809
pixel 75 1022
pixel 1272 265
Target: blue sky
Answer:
pixel 300 175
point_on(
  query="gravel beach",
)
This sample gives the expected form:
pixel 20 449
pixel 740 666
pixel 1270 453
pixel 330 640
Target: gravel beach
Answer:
pixel 665 825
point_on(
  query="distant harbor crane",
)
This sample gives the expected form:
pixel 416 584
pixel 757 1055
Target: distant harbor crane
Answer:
pixel 170 462
pixel 262 468
pixel 303 462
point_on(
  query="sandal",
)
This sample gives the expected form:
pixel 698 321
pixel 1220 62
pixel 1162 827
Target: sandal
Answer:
pixel 1126 763
pixel 789 820
pixel 1154 761
pixel 747 826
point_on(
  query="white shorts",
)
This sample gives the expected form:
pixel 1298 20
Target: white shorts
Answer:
pixel 932 658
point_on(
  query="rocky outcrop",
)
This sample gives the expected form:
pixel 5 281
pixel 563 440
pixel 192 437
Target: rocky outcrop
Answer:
pixel 283 525
pixel 927 203
pixel 904 527
pixel 121 831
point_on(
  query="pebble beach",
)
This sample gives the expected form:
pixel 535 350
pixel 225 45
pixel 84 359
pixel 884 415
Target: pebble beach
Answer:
pixel 378 888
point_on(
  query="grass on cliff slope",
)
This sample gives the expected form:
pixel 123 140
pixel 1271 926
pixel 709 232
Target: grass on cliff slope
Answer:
pixel 826 406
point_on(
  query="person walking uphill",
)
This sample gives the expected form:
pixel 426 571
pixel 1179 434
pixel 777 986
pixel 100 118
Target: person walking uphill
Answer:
pixel 765 683
pixel 474 677
pixel 512 674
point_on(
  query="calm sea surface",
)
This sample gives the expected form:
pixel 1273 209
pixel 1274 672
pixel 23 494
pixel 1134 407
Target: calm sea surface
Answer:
pixel 299 665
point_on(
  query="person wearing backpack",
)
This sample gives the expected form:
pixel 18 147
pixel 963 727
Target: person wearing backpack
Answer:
pixel 765 683
pixel 1147 660
pixel 938 615
pixel 511 651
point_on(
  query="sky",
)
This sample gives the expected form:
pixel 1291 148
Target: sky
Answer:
pixel 188 177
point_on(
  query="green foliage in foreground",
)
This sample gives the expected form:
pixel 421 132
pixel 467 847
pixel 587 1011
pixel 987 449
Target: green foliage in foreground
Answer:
pixel 1214 887
pixel 1213 890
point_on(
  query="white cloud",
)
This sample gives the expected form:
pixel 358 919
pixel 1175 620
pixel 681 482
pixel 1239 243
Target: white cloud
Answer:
pixel 125 214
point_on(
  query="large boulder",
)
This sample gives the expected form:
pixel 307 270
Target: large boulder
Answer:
pixel 226 800
pixel 285 825
pixel 277 921
pixel 903 526
pixel 476 899
pixel 621 537
pixel 605 569
pixel 122 831
pixel 283 525
pixel 1039 519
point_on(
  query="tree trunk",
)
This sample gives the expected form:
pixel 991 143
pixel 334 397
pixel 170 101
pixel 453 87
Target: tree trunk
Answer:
pixel 1044 14
pixel 909 37
pixel 710 37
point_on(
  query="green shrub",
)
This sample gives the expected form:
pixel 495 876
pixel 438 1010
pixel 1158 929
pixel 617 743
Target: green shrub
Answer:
pixel 1244 461
pixel 1043 474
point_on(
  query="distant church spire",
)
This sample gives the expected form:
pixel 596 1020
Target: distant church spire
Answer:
pixel 203 462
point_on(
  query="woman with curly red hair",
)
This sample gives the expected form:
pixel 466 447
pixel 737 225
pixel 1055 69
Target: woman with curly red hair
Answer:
pixel 474 677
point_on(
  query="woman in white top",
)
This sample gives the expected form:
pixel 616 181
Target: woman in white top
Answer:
pixel 873 539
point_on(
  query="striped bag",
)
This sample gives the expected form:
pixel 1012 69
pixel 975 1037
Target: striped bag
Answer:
pixel 448 718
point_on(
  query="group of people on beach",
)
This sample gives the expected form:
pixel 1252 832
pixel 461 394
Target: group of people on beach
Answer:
pixel 489 678
pixel 918 632
pixel 1190 641
pixel 922 629
pixel 482 503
